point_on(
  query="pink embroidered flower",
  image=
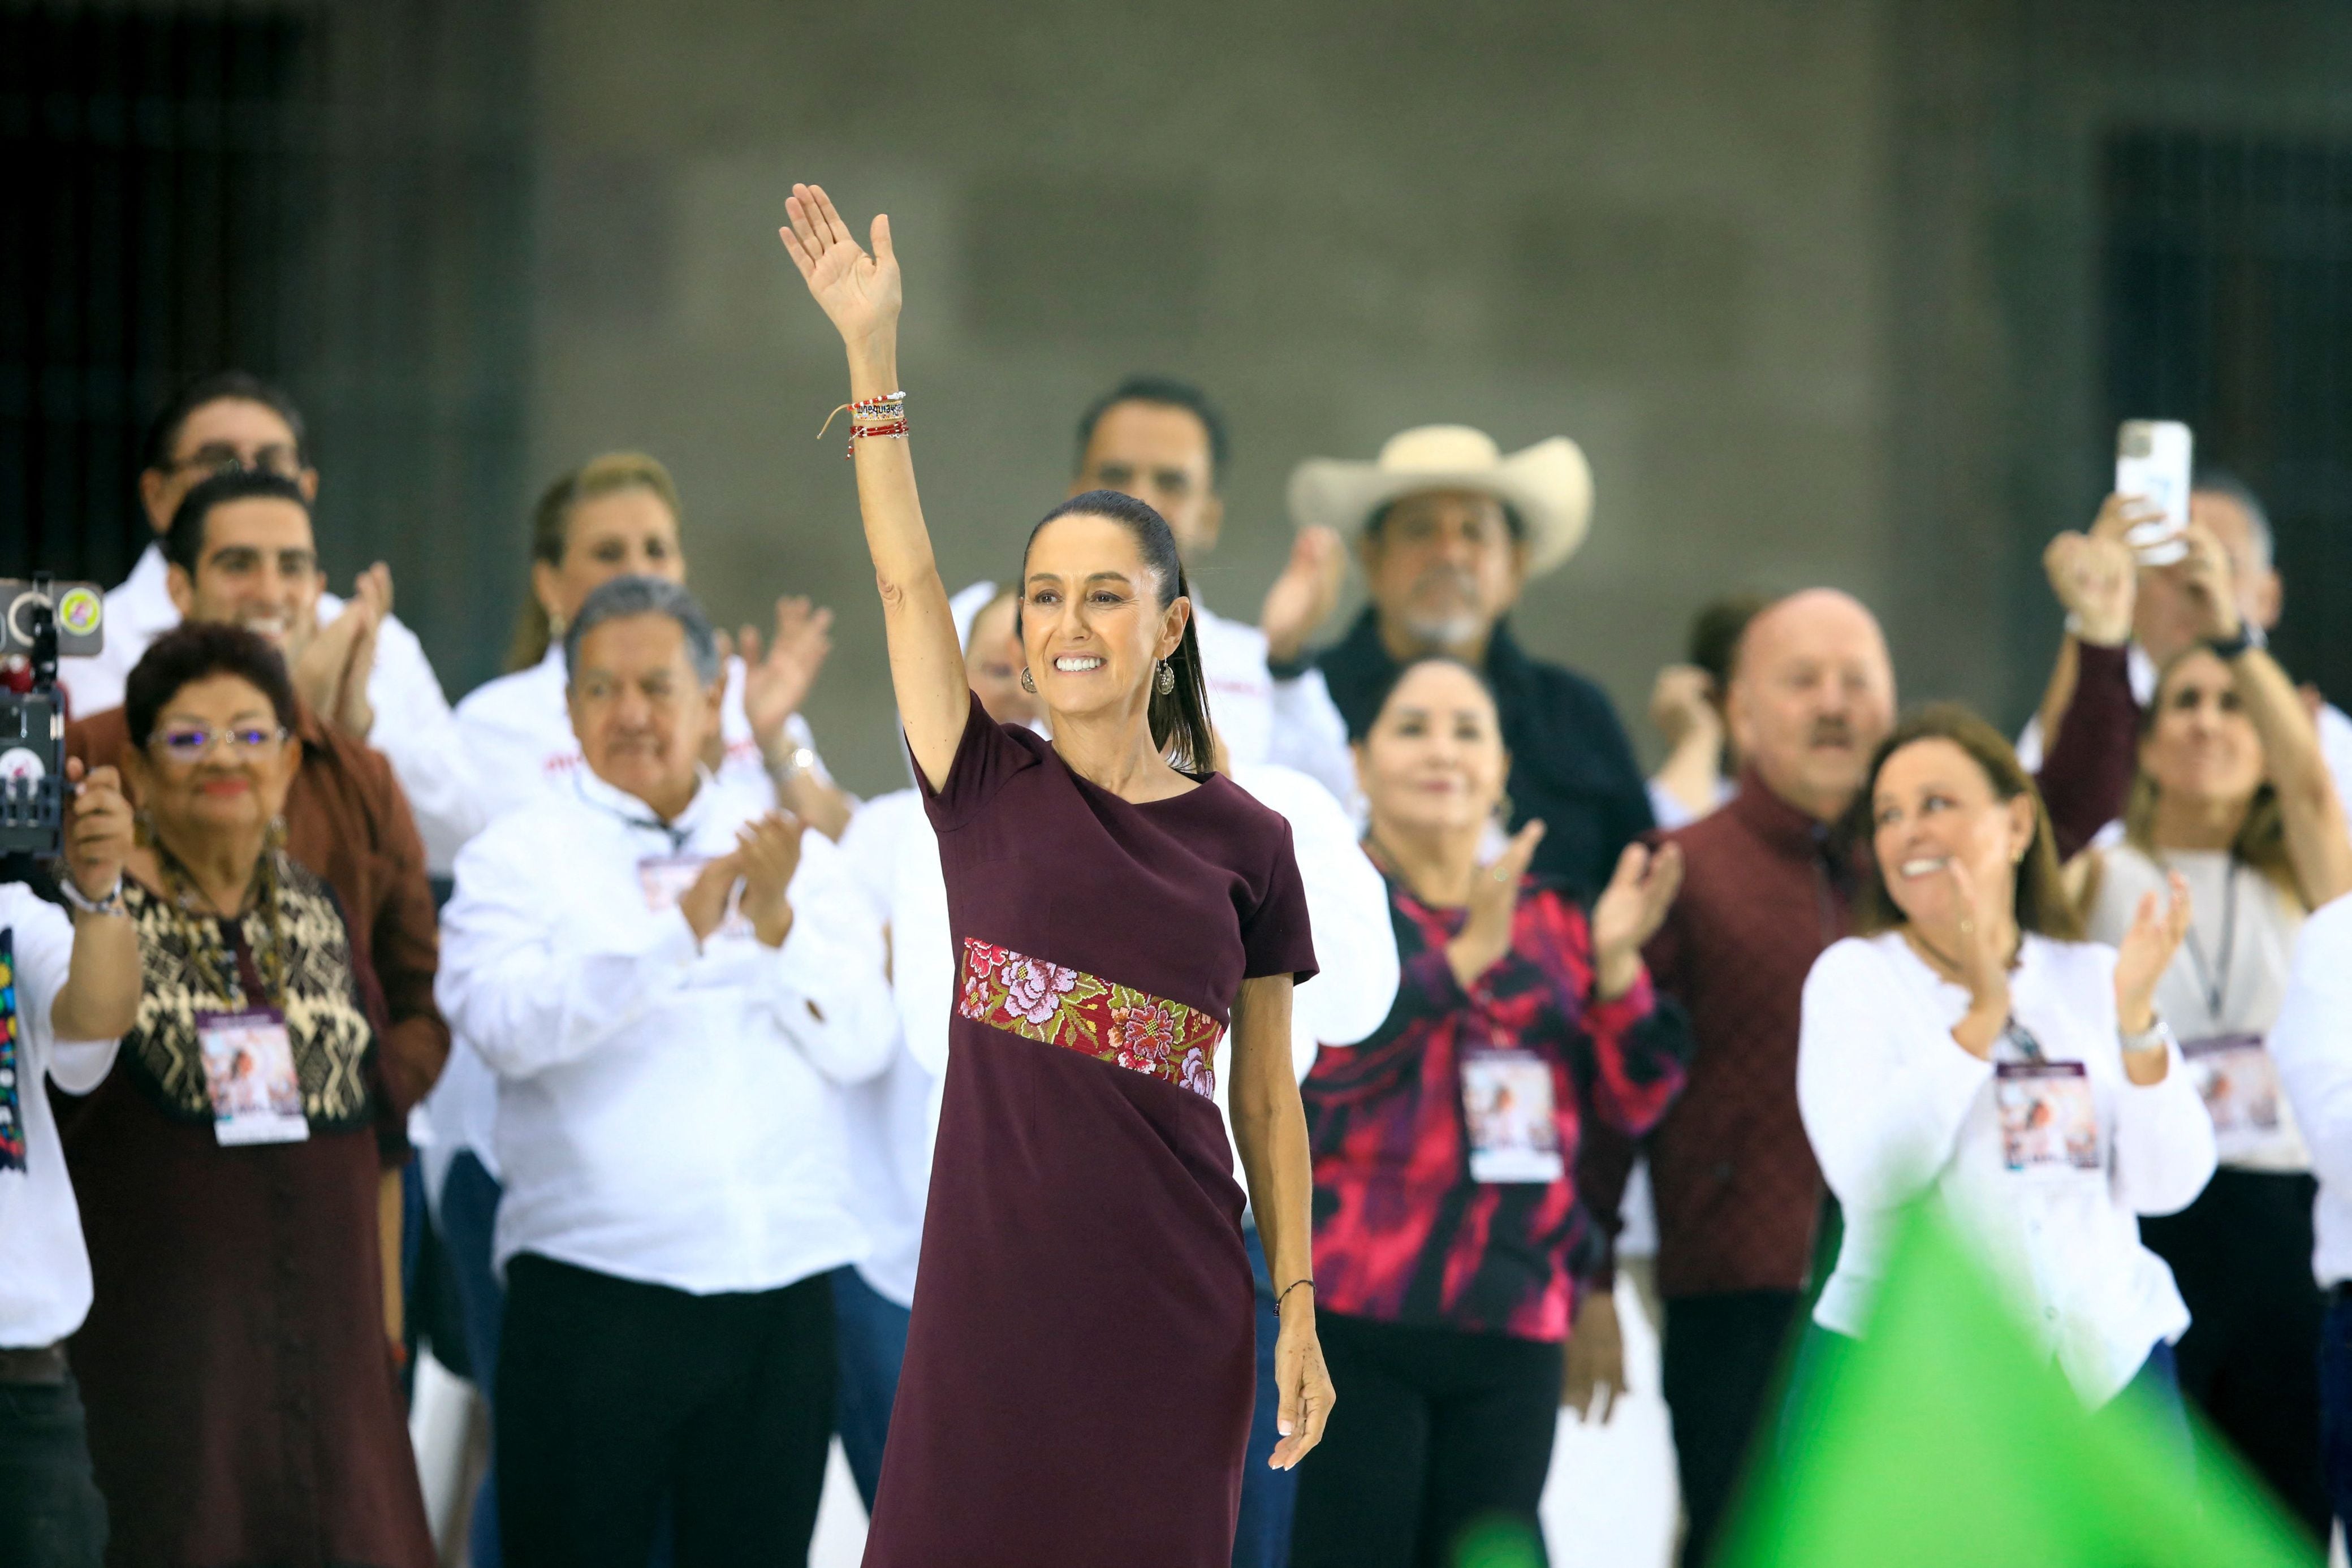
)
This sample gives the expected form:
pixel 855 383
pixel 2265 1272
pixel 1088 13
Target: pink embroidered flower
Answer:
pixel 980 964
pixel 1033 988
pixel 1146 1036
pixel 1198 1076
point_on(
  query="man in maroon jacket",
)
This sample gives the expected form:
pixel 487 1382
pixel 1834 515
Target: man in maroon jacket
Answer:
pixel 1765 889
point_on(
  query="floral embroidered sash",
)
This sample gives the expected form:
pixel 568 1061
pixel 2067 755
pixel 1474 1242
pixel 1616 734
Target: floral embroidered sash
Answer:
pixel 1094 1017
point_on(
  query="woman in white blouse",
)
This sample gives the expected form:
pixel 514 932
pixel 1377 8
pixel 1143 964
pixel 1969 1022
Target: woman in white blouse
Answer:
pixel 1967 1049
pixel 2234 795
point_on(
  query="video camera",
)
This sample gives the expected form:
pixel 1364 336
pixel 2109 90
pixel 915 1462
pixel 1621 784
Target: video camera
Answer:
pixel 40 620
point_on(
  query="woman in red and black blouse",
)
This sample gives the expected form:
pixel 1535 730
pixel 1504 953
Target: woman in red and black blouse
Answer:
pixel 1444 1144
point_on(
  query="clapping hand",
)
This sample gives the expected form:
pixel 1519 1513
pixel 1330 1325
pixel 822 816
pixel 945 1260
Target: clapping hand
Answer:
pixel 776 683
pixel 1304 596
pixel 770 852
pixel 2146 952
pixel 1983 953
pixel 332 671
pixel 859 293
pixel 2095 575
pixel 704 903
pixel 1629 912
pixel 1494 901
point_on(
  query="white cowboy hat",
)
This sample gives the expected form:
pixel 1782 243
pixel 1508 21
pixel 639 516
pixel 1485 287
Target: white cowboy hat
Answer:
pixel 1549 486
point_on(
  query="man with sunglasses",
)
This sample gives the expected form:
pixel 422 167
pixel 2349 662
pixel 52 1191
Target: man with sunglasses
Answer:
pixel 352 660
pixel 240 551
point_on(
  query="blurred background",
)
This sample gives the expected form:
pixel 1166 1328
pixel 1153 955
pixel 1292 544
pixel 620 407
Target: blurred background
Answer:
pixel 1841 291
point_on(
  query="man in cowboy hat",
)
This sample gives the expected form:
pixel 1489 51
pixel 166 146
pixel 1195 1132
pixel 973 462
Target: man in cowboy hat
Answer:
pixel 1449 530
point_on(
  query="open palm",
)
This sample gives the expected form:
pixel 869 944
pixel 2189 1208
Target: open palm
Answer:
pixel 859 292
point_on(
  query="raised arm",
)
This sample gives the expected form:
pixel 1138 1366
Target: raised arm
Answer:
pixel 2316 840
pixel 860 295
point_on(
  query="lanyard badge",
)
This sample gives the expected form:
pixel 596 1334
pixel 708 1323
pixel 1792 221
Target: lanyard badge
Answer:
pixel 1506 1108
pixel 249 1076
pixel 2240 1086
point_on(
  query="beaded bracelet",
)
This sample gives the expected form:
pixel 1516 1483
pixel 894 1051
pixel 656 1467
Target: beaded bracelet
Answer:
pixel 896 430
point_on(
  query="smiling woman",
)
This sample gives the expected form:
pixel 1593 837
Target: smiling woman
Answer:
pixel 1078 1373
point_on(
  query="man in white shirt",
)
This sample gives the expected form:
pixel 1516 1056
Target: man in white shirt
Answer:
pixel 671 982
pixel 69 988
pixel 353 661
pixel 2312 1045
pixel 1163 443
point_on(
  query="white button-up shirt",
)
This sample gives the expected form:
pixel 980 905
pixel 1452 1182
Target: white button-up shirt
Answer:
pixel 2312 1045
pixel 668 1112
pixel 1293 722
pixel 516 734
pixel 44 1268
pixel 1897 1112
pixel 413 726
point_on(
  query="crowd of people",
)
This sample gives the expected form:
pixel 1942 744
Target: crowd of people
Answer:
pixel 1200 1118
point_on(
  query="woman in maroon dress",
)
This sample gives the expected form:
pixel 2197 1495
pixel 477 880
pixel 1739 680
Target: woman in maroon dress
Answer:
pixel 1078 1381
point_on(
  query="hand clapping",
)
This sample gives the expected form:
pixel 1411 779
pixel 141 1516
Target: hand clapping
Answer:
pixel 1628 912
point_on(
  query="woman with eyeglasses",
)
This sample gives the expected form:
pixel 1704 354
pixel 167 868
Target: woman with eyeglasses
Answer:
pixel 242 1398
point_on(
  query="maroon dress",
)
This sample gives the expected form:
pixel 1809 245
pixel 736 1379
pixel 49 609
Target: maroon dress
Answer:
pixel 1079 1375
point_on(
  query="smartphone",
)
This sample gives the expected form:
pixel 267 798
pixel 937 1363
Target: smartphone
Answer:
pixel 2153 462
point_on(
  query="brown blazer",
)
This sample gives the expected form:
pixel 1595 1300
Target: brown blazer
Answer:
pixel 347 819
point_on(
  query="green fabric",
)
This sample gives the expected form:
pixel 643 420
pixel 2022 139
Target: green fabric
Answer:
pixel 1944 1439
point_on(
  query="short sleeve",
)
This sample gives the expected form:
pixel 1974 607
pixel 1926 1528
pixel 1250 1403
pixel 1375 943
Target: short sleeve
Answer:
pixel 1277 937
pixel 986 756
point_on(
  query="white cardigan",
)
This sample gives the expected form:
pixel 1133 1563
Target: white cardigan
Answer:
pixel 1897 1112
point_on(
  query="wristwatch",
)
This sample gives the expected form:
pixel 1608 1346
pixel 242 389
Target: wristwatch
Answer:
pixel 799 760
pixel 111 904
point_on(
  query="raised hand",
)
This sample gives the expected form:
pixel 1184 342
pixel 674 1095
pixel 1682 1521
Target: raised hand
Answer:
pixel 2210 582
pixel 1306 593
pixel 1682 705
pixel 1985 937
pixel 776 681
pixel 704 903
pixel 2146 952
pixel 770 852
pixel 1494 901
pixel 859 292
pixel 2096 576
pixel 98 828
pixel 1629 912
pixel 332 671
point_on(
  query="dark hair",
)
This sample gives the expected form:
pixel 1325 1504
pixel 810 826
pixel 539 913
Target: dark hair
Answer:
pixel 1397 678
pixel 1179 718
pixel 193 651
pixel 1511 519
pixel 2040 903
pixel 1715 632
pixel 1169 392
pixel 550 532
pixel 183 541
pixel 619 598
pixel 164 430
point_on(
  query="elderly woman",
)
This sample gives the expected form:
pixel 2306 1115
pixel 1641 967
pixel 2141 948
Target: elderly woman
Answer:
pixel 1077 1380
pixel 1968 1045
pixel 1445 1143
pixel 672 982
pixel 242 1404
pixel 2233 796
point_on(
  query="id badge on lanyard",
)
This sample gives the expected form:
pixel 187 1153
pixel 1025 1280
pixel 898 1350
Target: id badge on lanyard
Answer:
pixel 665 880
pixel 2049 1118
pixel 249 1076
pixel 2240 1086
pixel 1506 1106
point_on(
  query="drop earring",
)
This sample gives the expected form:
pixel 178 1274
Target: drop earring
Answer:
pixel 1165 680
pixel 1028 682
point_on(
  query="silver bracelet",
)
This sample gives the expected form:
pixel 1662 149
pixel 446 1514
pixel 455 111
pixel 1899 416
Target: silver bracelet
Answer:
pixel 800 760
pixel 2155 1037
pixel 111 904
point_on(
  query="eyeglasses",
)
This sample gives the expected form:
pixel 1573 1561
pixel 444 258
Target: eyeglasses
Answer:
pixel 195 745
pixel 219 457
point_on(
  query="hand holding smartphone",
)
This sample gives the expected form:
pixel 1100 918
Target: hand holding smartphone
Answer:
pixel 2154 464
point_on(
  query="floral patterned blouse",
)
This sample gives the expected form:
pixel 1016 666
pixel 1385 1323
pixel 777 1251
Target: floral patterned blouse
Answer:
pixel 1403 1232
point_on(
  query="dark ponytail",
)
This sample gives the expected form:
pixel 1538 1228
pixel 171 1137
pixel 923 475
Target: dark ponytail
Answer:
pixel 1180 717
